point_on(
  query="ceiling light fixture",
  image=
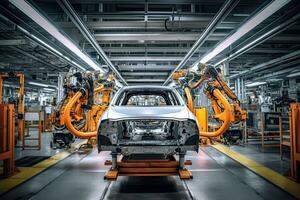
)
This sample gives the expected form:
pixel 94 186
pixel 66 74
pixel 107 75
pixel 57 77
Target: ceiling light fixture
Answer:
pixel 49 90
pixel 51 29
pixel 41 84
pixel 255 84
pixel 172 84
pixel 293 75
pixel 249 25
pixel 48 47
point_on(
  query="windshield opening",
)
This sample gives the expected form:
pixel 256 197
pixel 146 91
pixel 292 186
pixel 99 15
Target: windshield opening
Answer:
pixel 147 98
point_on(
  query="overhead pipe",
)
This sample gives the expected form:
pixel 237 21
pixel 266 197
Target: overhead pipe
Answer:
pixel 285 69
pixel 34 14
pixel 269 34
pixel 41 39
pixel 267 64
pixel 223 12
pixel 67 7
pixel 245 28
pixel 36 58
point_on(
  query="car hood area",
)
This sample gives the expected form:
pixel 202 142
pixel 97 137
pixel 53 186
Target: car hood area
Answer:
pixel 135 112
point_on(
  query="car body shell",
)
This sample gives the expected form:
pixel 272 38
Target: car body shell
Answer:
pixel 116 113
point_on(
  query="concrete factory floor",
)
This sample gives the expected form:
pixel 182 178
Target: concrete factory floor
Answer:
pixel 79 175
pixel 268 156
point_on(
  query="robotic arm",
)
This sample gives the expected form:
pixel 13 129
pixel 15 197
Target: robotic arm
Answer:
pixel 217 92
pixel 85 93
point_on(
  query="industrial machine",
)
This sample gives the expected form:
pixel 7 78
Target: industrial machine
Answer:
pixel 86 97
pixel 147 126
pixel 225 104
pixel 146 120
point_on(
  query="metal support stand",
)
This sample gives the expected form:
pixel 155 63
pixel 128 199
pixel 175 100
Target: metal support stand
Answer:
pixel 181 160
pixel 146 167
pixel 114 161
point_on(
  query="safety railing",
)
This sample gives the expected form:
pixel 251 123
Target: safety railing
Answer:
pixel 264 127
pixel 33 120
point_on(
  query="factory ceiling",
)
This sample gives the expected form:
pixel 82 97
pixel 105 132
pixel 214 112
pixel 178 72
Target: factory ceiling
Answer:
pixel 144 41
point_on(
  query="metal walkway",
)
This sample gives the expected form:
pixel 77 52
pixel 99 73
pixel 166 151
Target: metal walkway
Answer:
pixel 80 176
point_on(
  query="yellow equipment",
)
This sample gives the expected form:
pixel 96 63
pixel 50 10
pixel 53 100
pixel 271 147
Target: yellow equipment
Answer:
pixel 219 95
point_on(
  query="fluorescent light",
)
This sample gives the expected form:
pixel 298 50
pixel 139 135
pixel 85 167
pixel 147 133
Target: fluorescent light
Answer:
pixel 51 29
pixel 50 47
pixel 275 79
pixel 245 28
pixel 49 90
pixel 40 84
pixel 195 66
pixel 118 84
pixel 255 84
pixel 293 75
pixel 172 84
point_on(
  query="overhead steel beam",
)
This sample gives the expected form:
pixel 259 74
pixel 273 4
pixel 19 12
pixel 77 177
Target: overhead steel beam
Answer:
pixel 67 7
pixel 125 49
pixel 43 22
pixel 160 36
pixel 145 68
pixel 145 58
pixel 281 73
pixel 174 49
pixel 137 2
pixel 50 48
pixel 151 25
pixel 44 41
pixel 249 25
pixel 286 38
pixel 252 70
pixel 13 42
pixel 146 73
pixel 176 16
pixel 35 58
pixel 267 34
pixel 222 13
pixel 145 80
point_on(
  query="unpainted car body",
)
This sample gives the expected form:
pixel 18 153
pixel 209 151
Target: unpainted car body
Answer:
pixel 148 120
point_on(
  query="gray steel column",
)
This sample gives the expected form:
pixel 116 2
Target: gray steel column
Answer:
pixel 243 90
pixel 235 87
pixel 239 88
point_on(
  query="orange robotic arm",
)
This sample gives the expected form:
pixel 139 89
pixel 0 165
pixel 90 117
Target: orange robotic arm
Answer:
pixel 217 91
pixel 72 102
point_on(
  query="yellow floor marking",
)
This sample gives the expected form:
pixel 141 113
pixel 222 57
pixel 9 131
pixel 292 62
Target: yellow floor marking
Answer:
pixel 46 163
pixel 28 172
pixel 10 183
pixel 274 177
pixel 61 155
